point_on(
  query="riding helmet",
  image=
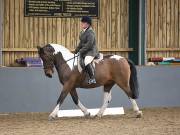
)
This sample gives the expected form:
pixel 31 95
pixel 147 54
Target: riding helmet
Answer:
pixel 86 19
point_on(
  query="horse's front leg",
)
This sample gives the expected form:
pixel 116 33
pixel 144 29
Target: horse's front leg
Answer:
pixel 107 99
pixel 76 100
pixel 68 86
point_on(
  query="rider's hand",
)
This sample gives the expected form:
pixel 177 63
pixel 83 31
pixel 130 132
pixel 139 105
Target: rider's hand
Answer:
pixel 76 51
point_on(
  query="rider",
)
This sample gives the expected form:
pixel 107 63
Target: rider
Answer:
pixel 87 47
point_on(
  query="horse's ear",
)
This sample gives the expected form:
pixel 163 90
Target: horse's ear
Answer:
pixel 40 49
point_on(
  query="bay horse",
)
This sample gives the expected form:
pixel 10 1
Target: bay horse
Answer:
pixel 113 69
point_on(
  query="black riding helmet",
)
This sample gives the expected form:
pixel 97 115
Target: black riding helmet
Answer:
pixel 86 19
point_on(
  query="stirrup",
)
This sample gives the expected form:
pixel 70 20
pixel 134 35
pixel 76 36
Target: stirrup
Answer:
pixel 91 81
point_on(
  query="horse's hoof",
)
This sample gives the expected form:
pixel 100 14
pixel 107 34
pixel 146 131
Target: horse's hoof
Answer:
pixel 51 118
pixel 98 116
pixel 139 114
pixel 88 115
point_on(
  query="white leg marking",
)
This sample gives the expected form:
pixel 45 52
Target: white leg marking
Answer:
pixel 135 107
pixel 83 108
pixel 107 99
pixel 54 112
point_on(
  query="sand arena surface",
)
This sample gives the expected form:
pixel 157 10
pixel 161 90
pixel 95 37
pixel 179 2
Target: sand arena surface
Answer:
pixel 156 121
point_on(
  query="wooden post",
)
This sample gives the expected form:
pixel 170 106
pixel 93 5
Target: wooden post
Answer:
pixel 142 32
pixel 134 29
pixel 137 37
pixel 1 28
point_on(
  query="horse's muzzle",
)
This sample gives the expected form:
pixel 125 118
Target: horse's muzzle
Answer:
pixel 49 73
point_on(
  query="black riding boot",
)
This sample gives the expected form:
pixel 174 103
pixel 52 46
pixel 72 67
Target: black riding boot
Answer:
pixel 91 73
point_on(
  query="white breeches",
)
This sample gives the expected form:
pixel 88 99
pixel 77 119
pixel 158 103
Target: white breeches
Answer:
pixel 88 60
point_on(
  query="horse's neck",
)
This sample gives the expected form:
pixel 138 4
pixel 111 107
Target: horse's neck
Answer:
pixel 61 67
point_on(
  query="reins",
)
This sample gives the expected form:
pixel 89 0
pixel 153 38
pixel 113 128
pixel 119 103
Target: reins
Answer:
pixel 72 58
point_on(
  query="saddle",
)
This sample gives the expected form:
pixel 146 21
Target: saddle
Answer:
pixel 97 59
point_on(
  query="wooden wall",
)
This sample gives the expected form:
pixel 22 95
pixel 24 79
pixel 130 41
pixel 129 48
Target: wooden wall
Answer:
pixel 1 30
pixel 23 34
pixel 163 28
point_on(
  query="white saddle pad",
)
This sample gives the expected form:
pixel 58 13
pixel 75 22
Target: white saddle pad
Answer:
pixel 93 62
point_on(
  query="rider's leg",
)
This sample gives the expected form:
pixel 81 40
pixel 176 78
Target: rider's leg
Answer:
pixel 90 69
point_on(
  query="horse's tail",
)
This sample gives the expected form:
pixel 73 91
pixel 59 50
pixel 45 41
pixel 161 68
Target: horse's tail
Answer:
pixel 133 80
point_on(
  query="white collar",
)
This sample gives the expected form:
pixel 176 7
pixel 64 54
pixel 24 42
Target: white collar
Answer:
pixel 85 29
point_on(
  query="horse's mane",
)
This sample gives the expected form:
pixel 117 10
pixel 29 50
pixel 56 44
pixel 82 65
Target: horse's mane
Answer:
pixel 66 53
pixel 61 48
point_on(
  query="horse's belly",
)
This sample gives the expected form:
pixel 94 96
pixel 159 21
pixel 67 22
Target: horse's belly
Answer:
pixel 88 86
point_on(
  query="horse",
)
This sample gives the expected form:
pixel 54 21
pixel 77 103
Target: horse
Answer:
pixel 111 70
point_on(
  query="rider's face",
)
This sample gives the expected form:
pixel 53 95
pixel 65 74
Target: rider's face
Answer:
pixel 84 25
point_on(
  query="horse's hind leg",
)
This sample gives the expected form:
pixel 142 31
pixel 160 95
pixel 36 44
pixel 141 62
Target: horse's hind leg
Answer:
pixel 136 108
pixel 76 100
pixel 126 88
pixel 107 99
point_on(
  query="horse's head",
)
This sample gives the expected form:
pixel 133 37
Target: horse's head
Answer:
pixel 46 53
